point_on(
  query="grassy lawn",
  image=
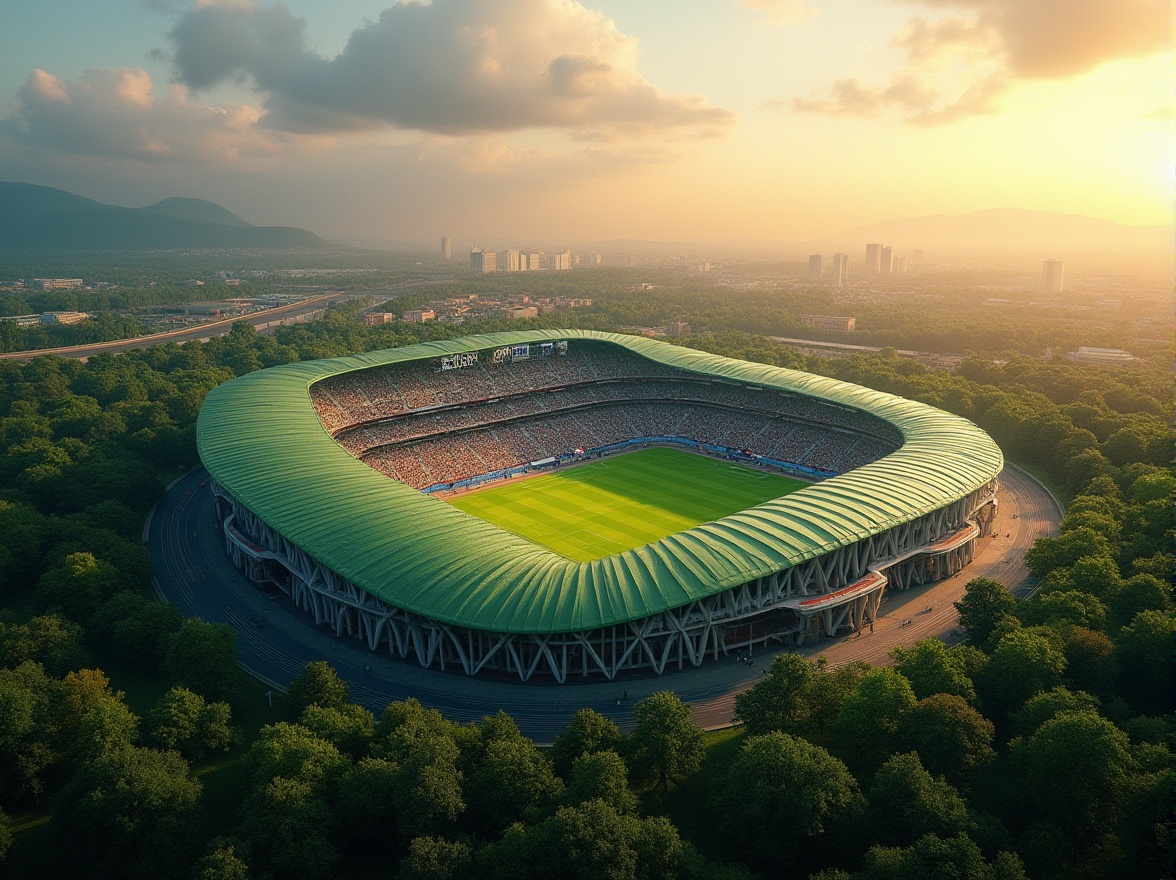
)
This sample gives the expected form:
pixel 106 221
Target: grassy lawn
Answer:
pixel 625 501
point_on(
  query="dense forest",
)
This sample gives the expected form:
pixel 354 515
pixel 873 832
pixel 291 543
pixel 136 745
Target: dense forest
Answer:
pixel 134 747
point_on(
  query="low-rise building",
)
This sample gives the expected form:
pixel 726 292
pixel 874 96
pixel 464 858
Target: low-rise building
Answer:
pixel 57 283
pixel 63 317
pixel 418 316
pixel 833 323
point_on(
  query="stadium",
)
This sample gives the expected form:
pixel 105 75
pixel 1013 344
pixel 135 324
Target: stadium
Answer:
pixel 562 505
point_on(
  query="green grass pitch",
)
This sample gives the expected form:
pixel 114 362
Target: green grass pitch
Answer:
pixel 625 501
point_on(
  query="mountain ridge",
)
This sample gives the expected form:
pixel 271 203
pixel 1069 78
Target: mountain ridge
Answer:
pixel 37 217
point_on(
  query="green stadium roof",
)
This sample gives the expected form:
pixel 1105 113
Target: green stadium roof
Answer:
pixel 261 440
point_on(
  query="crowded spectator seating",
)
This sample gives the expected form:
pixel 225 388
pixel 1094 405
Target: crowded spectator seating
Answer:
pixel 427 427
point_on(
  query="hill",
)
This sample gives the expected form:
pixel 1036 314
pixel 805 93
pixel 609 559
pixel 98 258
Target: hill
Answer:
pixel 195 209
pixel 40 217
pixel 1010 230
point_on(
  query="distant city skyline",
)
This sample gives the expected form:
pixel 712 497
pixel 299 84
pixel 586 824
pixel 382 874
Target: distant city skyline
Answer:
pixel 537 120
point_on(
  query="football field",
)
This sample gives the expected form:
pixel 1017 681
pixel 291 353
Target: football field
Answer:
pixel 615 504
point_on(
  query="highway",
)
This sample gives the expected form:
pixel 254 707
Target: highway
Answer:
pixel 275 640
pixel 261 320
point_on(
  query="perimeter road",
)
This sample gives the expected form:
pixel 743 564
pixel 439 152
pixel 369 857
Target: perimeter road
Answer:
pixel 275 640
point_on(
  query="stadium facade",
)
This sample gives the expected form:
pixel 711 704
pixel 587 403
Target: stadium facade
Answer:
pixel 322 473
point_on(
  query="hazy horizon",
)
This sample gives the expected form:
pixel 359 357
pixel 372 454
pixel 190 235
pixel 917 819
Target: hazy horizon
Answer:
pixel 737 121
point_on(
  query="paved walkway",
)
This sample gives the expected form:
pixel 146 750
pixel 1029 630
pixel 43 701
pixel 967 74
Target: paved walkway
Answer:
pixel 275 640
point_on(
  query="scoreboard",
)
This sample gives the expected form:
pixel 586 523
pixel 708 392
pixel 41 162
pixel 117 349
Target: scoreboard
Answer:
pixel 508 354
pixel 512 353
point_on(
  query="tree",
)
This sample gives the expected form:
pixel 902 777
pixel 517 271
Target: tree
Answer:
pixel 1090 661
pixel 865 728
pixel 351 729
pixel 667 743
pixel 907 802
pixel 1065 550
pixel 5 835
pixel 184 721
pixel 28 705
pixel 1024 663
pixel 221 862
pixel 294 752
pixel 366 802
pixel 1041 707
pixel 1143 592
pixel 77 586
pixel 1143 651
pixel 514 782
pixel 106 727
pixel 932 668
pixel 950 737
pixel 50 640
pixel 787 784
pixel 134 629
pixel 1062 608
pixel 601 776
pixel 317 685
pixel 587 732
pixel 435 858
pixel 129 813
pixel 592 840
pixel 203 658
pixel 932 857
pixel 285 827
pixel 985 602
pixel 1072 771
pixel 780 699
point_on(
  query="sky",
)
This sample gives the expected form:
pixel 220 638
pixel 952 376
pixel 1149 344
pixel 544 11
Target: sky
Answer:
pixel 549 121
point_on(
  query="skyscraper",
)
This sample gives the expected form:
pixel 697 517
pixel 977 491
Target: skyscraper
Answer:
pixel 1052 272
pixel 841 270
pixel 508 261
pixel 814 267
pixel 446 250
pixel 886 261
pixel 482 261
pixel 873 258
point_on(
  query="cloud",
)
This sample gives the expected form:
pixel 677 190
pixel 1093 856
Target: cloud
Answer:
pixel 965 62
pixel 453 67
pixel 1051 39
pixel 782 11
pixel 116 113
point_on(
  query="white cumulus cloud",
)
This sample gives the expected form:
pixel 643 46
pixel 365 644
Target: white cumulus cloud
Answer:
pixel 455 67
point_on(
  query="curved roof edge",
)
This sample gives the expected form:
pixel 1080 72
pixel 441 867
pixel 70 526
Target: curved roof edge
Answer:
pixel 260 438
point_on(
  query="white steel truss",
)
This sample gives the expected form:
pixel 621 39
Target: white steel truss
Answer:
pixel 836 593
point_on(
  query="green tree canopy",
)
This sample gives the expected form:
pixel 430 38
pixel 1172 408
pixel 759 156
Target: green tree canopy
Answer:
pixel 587 732
pixel 906 802
pixel 789 785
pixel 601 776
pixel 932 668
pixel 866 726
pixel 203 658
pixel 1072 771
pixel 985 602
pixel 318 684
pixel 951 738
pixel 129 813
pixel 185 721
pixel 667 743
